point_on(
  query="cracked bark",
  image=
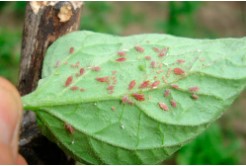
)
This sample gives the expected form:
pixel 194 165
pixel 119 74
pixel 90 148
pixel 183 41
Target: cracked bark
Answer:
pixel 44 23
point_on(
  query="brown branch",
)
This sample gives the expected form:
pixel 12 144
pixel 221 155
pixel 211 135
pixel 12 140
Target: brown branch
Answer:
pixel 44 23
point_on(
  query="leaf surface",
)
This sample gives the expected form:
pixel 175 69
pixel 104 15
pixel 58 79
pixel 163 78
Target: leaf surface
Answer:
pixel 181 86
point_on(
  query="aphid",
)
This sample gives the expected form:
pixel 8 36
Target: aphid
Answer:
pixel 121 53
pixel 122 59
pixel 174 86
pixel 81 71
pixel 114 80
pixel 113 108
pixel 163 52
pixel 131 84
pixel 163 106
pixel 69 81
pixel 139 97
pixel 69 128
pixel 71 50
pixel 144 84
pixel 194 96
pixel 82 89
pixel 153 64
pixel 157 50
pixel 96 68
pixel 169 72
pixel 148 58
pixel 194 89
pixel 166 93
pixel 103 79
pixel 180 61
pixel 139 49
pixel 173 103
pixel 58 63
pixel 77 65
pixel 114 72
pixel 110 88
pixel 178 71
pixel 125 100
pixel 159 71
pixel 164 79
pixel 155 84
pixel 74 88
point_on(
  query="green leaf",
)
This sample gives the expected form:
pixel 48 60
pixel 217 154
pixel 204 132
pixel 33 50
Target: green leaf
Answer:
pixel 103 123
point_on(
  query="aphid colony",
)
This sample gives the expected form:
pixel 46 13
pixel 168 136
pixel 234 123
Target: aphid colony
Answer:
pixel 134 87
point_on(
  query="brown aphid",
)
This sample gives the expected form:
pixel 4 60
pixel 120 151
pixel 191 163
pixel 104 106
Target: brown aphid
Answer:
pixel 110 88
pixel 157 50
pixel 194 96
pixel 173 103
pixel 71 50
pixel 69 128
pixel 74 88
pixel 174 86
pixel 148 58
pixel 81 89
pixel 180 61
pixel 113 108
pixel 178 71
pixel 131 85
pixel 96 68
pixel 139 49
pixel 144 84
pixel 166 93
pixel 194 89
pixel 163 106
pixel 69 81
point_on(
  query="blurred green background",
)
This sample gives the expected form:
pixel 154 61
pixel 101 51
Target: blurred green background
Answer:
pixel 225 141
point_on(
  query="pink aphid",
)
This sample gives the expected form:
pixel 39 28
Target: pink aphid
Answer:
pixel 163 106
pixel 139 97
pixel 122 59
pixel 144 84
pixel 180 61
pixel 69 128
pixel 163 52
pixel 153 64
pixel 96 68
pixel 81 71
pixel 110 88
pixel 166 93
pixel 174 86
pixel 194 96
pixel 71 50
pixel 69 81
pixel 173 103
pixel 148 58
pixel 121 53
pixel 125 100
pixel 139 49
pixel 194 89
pixel 178 71
pixel 103 79
pixel 131 85
pixel 74 88
pixel 155 84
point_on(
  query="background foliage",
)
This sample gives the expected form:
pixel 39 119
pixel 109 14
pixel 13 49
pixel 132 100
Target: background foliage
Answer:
pixel 224 142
